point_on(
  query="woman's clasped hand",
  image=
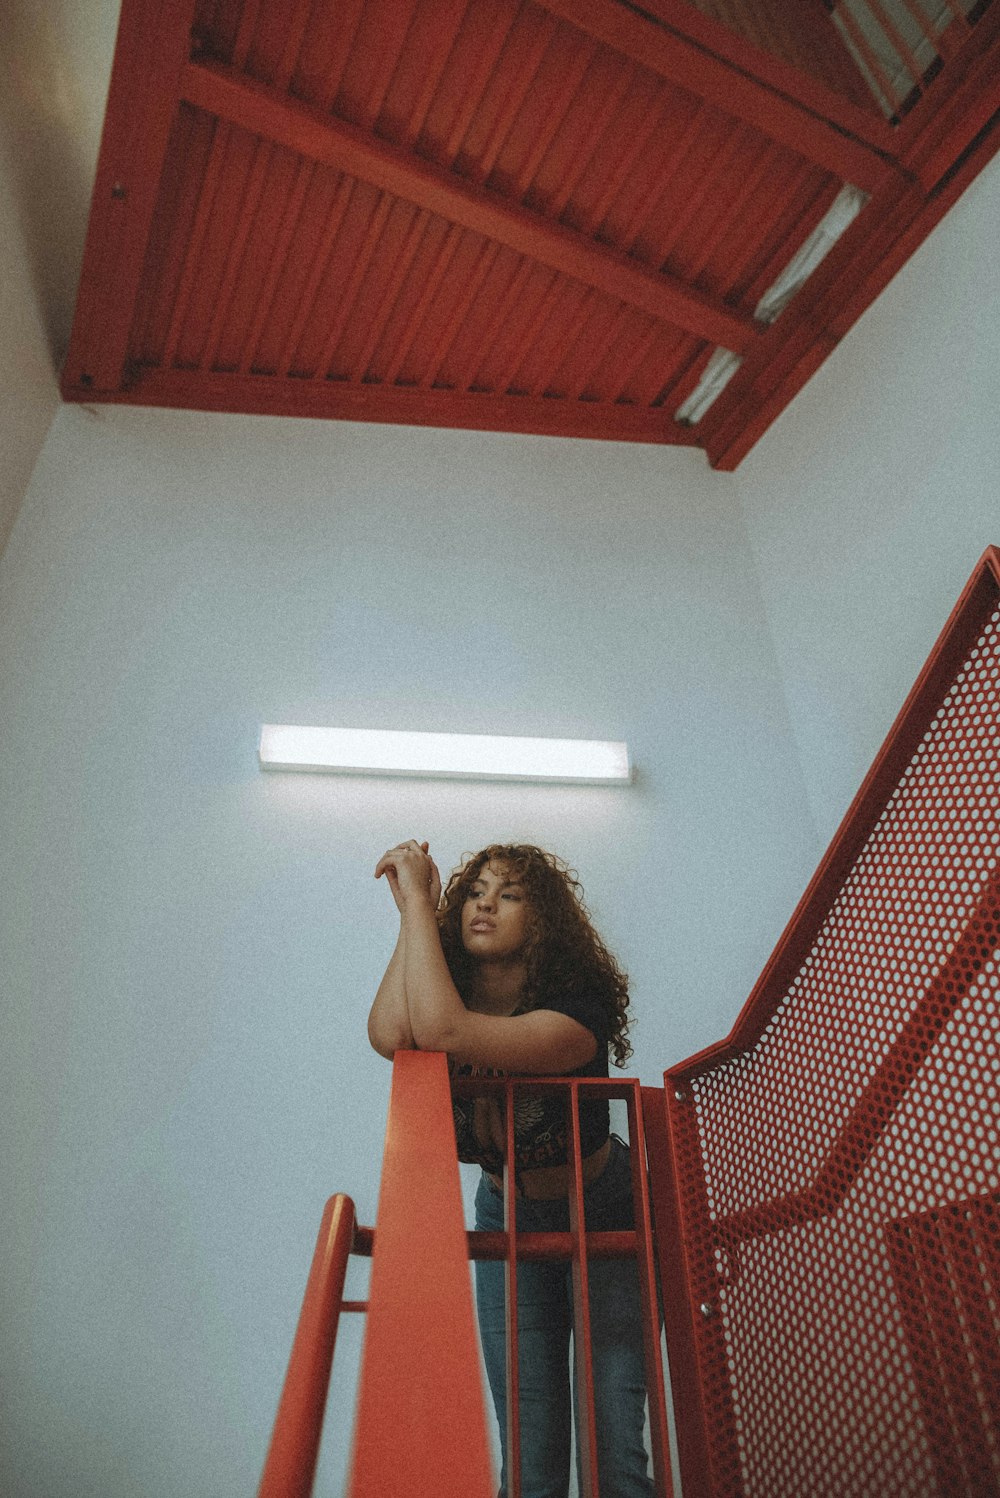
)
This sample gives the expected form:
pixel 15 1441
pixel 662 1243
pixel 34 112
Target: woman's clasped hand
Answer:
pixel 409 870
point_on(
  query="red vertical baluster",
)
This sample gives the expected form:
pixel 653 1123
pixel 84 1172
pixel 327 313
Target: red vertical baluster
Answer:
pixel 646 1270
pixel 675 1273
pixel 510 1280
pixel 582 1343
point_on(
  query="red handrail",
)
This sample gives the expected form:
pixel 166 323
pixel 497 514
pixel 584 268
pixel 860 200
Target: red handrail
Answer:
pixel 291 1459
pixel 421 1424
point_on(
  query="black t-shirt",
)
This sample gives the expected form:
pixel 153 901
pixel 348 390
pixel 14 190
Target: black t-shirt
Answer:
pixel 541 1121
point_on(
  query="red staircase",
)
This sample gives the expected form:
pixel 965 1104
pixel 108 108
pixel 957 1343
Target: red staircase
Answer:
pixel 825 1182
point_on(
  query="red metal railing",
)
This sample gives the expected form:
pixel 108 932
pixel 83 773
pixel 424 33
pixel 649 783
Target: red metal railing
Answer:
pixel 420 1377
pixel 580 1246
pixel 837 1166
pixel 825 1183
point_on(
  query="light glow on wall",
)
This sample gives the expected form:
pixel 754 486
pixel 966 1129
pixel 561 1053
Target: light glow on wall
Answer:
pixel 461 756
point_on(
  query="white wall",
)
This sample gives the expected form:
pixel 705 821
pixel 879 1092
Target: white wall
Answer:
pixel 871 500
pixel 190 945
pixel 55 61
pixel 28 392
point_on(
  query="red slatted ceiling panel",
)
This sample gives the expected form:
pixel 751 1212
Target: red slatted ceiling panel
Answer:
pixel 519 216
pixel 263 262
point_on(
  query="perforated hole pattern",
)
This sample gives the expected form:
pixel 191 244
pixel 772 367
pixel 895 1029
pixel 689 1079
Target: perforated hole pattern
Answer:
pixel 845 1170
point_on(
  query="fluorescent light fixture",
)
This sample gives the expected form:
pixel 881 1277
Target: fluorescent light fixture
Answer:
pixel 723 364
pixel 462 756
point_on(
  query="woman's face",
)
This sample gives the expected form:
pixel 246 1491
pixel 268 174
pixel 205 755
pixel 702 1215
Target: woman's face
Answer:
pixel 495 915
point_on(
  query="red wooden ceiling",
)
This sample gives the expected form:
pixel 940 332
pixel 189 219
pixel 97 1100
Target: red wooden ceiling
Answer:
pixel 533 217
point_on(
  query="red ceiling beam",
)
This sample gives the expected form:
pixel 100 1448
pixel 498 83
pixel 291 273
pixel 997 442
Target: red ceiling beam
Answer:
pixel 407 405
pixel 317 135
pixel 956 107
pixel 699 60
pixel 773 72
pixel 142 102
pixel 954 149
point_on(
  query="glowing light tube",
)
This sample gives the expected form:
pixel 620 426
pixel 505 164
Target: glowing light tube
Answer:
pixel 461 756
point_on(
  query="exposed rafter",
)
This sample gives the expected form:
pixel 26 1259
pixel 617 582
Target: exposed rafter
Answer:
pixel 348 401
pixel 133 146
pixel 312 133
pixel 683 61
pixel 945 149
pixel 773 73
pixel 538 217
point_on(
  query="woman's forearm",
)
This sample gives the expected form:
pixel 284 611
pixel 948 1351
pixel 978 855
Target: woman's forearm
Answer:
pixel 389 1028
pixel 435 1007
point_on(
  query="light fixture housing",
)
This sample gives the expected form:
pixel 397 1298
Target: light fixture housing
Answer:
pixel 451 756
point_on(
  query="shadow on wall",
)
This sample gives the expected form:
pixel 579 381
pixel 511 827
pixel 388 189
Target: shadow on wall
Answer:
pixel 56 63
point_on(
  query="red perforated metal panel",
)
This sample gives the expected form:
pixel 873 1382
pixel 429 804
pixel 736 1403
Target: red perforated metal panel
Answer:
pixel 838 1158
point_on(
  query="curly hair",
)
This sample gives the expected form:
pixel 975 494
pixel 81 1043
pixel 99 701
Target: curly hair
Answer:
pixel 563 953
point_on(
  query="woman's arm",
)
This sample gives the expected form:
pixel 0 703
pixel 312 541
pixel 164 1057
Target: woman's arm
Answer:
pixel 389 1027
pixel 389 1020
pixel 541 1042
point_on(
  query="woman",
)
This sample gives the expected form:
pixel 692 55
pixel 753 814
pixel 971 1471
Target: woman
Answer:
pixel 507 975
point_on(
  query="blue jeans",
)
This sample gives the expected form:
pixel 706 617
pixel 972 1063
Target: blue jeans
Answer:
pixel 545 1323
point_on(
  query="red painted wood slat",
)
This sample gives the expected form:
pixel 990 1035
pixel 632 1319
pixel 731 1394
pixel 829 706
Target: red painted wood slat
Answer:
pixel 654 374
pixel 634 147
pixel 564 341
pixel 390 292
pixel 391 38
pixel 532 336
pixel 708 183
pixel 751 181
pixel 348 18
pixel 293 43
pixel 447 25
pixel 594 347
pixel 192 259
pixel 319 262
pixel 255 107
pixel 488 49
pixel 449 332
pixel 245 32
pixel 237 250
pixel 556 112
pixel 519 81
pixel 636 355
pixel 586 144
pixel 276 264
pixel 352 286
pixel 672 161
pixel 428 292
pixel 503 301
